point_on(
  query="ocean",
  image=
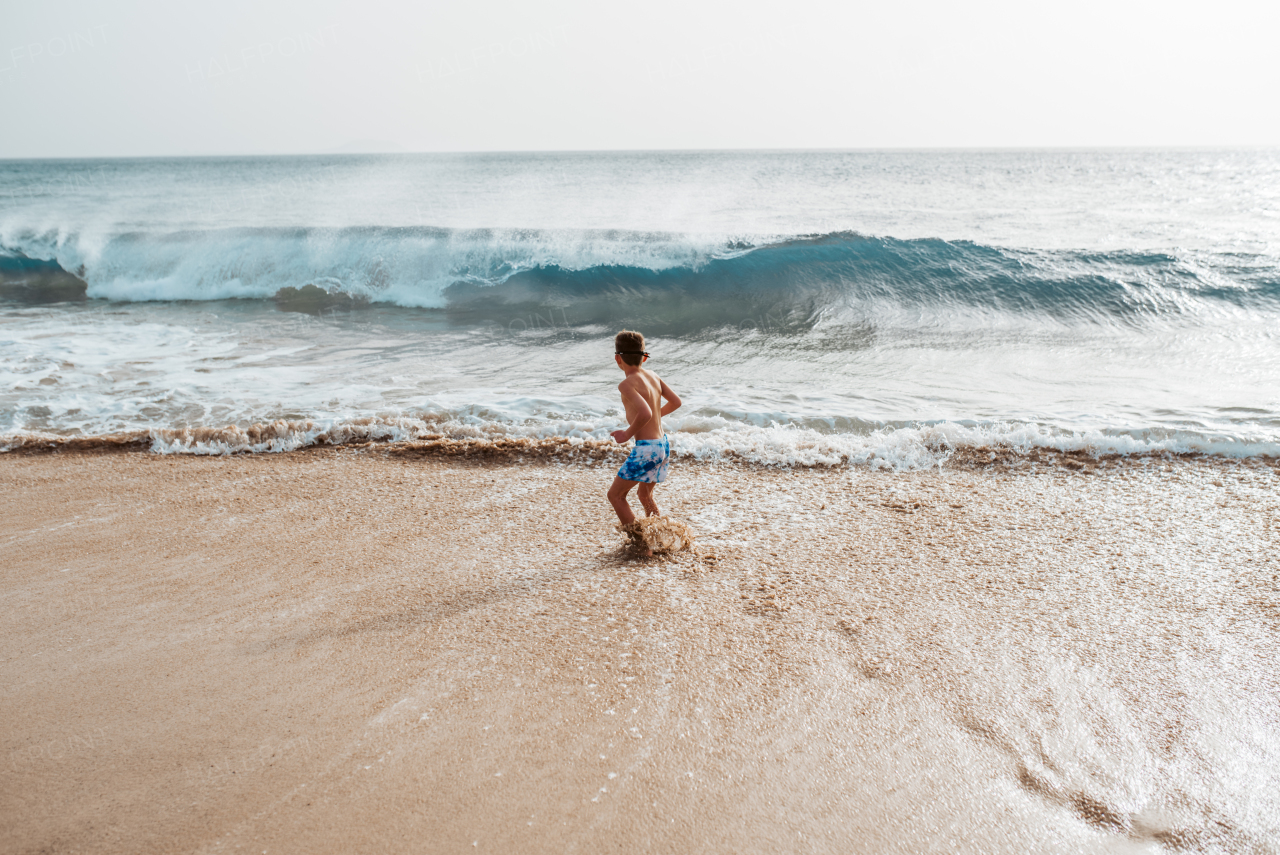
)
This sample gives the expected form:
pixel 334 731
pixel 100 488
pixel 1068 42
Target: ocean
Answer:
pixel 888 308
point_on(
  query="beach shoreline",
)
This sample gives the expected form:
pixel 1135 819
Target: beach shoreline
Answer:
pixel 402 648
pixel 362 435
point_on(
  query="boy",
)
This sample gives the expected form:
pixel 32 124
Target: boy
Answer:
pixel 642 394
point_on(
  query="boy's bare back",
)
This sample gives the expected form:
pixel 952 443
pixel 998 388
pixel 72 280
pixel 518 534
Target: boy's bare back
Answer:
pixel 644 385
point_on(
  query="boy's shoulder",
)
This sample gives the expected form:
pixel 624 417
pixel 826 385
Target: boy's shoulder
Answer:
pixel 643 377
pixel 639 378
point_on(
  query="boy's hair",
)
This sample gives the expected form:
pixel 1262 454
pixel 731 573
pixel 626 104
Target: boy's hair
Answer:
pixel 630 345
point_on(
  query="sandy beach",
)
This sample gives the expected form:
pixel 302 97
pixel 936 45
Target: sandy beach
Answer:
pixel 340 651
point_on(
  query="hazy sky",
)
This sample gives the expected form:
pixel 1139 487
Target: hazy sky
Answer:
pixel 166 78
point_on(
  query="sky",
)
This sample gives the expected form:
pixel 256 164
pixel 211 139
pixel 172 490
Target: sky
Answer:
pixel 147 78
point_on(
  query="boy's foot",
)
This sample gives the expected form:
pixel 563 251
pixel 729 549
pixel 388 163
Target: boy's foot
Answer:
pixel 635 535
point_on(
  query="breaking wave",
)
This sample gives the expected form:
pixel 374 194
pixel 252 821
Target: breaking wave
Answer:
pixel 670 283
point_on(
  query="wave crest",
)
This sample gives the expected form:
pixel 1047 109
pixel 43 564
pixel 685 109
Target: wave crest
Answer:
pixel 670 284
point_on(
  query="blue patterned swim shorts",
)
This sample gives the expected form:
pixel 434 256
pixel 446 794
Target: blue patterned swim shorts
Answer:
pixel 647 462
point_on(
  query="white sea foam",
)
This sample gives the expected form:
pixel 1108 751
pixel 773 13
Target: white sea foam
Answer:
pixel 173 374
pixel 903 448
pixel 913 447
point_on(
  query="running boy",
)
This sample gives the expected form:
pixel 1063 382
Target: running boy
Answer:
pixel 642 394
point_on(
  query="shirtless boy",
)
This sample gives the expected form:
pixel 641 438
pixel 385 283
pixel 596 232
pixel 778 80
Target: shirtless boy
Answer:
pixel 642 394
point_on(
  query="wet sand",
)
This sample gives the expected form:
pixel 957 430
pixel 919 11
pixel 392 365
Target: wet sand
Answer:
pixel 343 651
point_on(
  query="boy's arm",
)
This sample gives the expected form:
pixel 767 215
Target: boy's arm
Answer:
pixel 642 410
pixel 673 400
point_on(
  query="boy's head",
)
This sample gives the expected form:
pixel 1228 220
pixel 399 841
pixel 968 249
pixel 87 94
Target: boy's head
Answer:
pixel 629 347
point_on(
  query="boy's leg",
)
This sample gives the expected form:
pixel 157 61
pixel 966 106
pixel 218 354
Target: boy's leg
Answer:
pixel 618 498
pixel 645 495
